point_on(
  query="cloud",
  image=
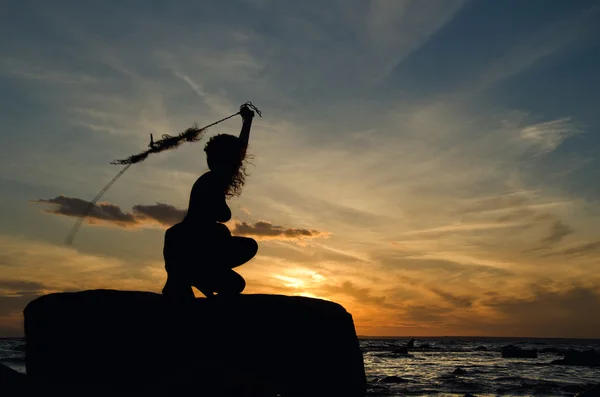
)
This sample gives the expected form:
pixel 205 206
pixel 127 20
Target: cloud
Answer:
pixel 15 303
pixel 165 214
pixel 580 249
pixel 431 315
pixel 103 212
pixel 558 231
pixel 549 135
pixel 217 104
pixel 158 214
pixel 20 286
pixel 266 231
pixel 463 227
pixel 361 295
pixel 454 300
pixel 161 214
pixel 551 312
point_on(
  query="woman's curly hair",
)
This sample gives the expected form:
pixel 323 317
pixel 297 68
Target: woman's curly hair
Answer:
pixel 228 149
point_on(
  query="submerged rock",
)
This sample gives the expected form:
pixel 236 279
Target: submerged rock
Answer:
pixel 393 379
pixel 459 371
pixel 517 352
pixel 589 358
pixel 294 346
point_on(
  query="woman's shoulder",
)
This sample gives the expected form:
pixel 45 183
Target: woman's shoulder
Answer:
pixel 205 181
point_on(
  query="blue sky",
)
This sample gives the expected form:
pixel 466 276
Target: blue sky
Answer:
pixel 443 154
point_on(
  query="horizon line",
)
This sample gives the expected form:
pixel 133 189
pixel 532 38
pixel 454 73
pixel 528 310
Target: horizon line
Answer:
pixel 473 337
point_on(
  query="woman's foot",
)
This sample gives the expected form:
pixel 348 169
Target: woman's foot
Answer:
pixel 177 291
pixel 207 293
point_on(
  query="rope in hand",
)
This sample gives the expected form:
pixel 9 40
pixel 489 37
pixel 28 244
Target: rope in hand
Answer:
pixel 168 142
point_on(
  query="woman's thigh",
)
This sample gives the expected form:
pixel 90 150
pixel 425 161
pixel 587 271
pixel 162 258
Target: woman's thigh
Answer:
pixel 231 252
pixel 220 281
pixel 241 250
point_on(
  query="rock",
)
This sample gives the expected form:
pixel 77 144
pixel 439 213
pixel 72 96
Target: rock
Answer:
pixel 554 350
pixel 459 371
pixel 12 383
pixel 589 358
pixel 10 377
pixel 410 344
pixel 593 392
pixel 400 350
pixel 294 346
pixel 517 352
pixel 481 349
pixel 393 379
pixel 573 388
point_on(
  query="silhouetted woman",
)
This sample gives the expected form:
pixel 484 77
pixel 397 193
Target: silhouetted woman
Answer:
pixel 200 251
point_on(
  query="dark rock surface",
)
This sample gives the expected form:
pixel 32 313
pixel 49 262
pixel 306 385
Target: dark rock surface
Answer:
pixel 593 392
pixel 589 358
pixel 294 346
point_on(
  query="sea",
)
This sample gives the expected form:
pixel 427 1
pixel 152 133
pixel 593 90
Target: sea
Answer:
pixel 447 367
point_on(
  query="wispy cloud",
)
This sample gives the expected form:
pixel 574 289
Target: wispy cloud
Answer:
pixel 395 28
pixel 362 295
pixel 558 231
pixel 217 103
pixel 31 71
pixel 549 135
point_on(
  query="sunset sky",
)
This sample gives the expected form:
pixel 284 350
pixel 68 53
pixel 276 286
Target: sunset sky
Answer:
pixel 433 166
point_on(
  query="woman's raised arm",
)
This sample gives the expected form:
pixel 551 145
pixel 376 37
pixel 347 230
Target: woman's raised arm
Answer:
pixel 247 116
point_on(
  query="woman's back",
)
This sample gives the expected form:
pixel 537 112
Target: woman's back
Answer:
pixel 207 200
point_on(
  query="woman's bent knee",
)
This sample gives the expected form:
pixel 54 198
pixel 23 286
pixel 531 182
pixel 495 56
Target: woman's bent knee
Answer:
pixel 252 246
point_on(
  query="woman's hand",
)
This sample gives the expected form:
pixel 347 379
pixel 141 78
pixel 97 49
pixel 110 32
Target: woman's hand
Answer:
pixel 246 113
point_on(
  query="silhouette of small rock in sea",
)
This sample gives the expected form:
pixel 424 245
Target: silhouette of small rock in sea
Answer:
pixel 393 379
pixel 589 358
pixel 140 342
pixel 554 350
pixel 517 352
